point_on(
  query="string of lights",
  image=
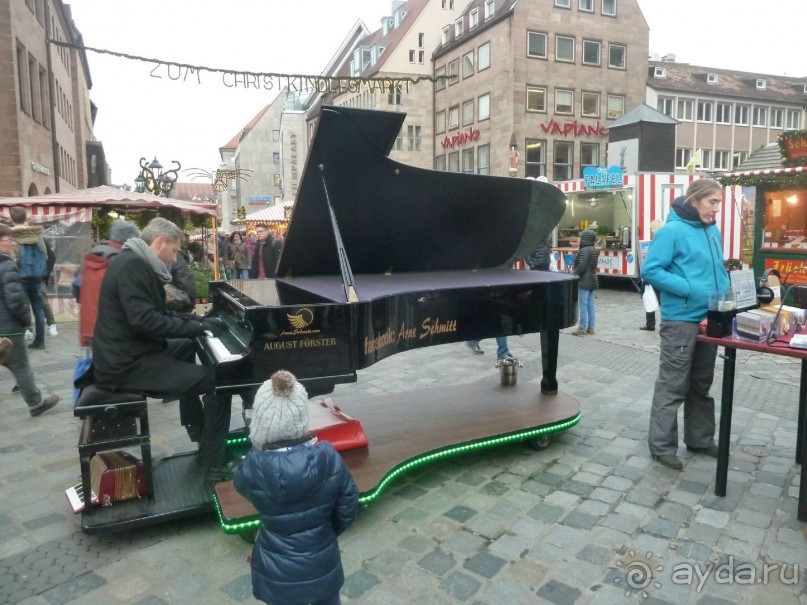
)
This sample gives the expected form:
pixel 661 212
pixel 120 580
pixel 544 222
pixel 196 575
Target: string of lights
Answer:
pixel 236 78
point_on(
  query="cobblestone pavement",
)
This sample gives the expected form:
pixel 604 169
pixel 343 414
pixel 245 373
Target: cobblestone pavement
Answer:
pixel 590 519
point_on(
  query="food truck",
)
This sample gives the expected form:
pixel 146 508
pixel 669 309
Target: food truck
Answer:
pixel 774 182
pixel 620 208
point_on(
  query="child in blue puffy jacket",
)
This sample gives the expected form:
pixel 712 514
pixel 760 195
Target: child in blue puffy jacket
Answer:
pixel 304 494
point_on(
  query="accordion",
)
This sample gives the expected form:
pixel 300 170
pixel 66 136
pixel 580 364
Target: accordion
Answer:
pixel 116 476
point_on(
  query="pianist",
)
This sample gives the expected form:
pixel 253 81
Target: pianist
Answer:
pixel 140 347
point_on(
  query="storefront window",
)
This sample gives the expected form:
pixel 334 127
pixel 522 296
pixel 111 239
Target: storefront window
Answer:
pixel 785 220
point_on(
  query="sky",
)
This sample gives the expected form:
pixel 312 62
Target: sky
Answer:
pixel 145 111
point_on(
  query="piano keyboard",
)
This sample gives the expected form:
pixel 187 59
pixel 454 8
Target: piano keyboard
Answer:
pixel 75 496
pixel 220 350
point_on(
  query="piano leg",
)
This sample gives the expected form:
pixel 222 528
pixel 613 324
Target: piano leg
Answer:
pixel 550 340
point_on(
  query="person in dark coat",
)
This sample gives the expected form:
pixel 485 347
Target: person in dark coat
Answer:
pixel 538 259
pixel 183 279
pixel 304 494
pixel 267 253
pixel 140 347
pixel 15 316
pixel 585 266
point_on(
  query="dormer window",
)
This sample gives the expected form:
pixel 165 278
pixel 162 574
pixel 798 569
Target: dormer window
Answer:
pixel 711 79
pixel 458 27
pixel 761 84
pixel 660 72
pixel 488 9
pixel 385 26
pixel 473 19
pixel 446 34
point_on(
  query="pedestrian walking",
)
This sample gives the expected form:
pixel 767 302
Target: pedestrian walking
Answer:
pixel 585 266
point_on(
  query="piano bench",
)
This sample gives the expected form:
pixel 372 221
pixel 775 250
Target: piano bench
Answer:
pixel 112 420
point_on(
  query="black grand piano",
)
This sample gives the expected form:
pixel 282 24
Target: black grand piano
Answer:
pixel 381 258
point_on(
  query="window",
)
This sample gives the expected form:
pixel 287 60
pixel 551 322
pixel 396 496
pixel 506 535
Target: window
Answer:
pixel 563 3
pixel 440 83
pixel 685 109
pixel 483 107
pixel 276 157
pixel 660 72
pixel 440 122
pixel 483 60
pixel 468 113
pixel 666 105
pixel 616 56
pixel 454 161
pixel 458 28
pixel 590 104
pixel 793 119
pixel 22 78
pixel 586 6
pixel 421 57
pixel 33 81
pixel 473 19
pixel 535 161
pixel 440 163
pixel 488 9
pixel 446 35
pixel 468 160
pixel 682 157
pixel 739 158
pixel 536 45
pixel 399 140
pixel 711 79
pixel 453 72
pixel 609 8
pixel 411 56
pixel 536 98
pixel 564 159
pixel 275 135
pixel 723 113
pixel 454 117
pixel 589 155
pixel 741 115
pixel 394 97
pixel 413 136
pixel 721 160
pixel 277 181
pixel 43 90
pixel 705 111
pixel 564 49
pixel 706 159
pixel 760 116
pixel 483 159
pixel 616 106
pixel 591 52
pixel 777 117
pixel 564 101
pixel 468 64
pixel 761 84
pixel 421 40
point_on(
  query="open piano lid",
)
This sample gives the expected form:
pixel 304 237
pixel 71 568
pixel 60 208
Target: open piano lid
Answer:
pixel 397 218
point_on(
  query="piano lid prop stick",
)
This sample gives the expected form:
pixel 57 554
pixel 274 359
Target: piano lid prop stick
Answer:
pixel 215 248
pixel 348 283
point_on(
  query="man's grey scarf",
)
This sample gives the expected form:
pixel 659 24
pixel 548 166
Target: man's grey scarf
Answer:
pixel 141 248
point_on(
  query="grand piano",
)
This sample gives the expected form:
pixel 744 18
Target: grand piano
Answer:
pixel 381 258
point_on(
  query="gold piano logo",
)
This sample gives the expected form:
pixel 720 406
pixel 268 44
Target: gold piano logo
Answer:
pixel 428 328
pixel 301 320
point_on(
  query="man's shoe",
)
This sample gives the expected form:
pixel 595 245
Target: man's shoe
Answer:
pixel 36 345
pixel 476 348
pixel 710 451
pixel 507 355
pixel 46 404
pixel 580 332
pixel 590 331
pixel 648 328
pixel 5 348
pixel 52 330
pixel 670 461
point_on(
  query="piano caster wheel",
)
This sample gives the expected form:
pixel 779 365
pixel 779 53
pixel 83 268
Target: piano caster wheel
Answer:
pixel 540 443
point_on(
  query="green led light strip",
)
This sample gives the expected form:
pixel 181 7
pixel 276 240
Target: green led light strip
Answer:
pixel 419 460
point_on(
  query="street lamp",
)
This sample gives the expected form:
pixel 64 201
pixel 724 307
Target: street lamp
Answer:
pixel 154 180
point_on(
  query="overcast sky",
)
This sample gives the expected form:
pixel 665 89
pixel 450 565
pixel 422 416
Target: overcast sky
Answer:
pixel 143 112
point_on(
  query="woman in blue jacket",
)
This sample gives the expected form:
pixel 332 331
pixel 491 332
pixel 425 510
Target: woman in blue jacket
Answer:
pixel 685 263
pixel 304 494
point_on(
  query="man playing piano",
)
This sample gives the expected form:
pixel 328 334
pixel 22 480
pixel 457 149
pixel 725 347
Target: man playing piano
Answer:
pixel 140 347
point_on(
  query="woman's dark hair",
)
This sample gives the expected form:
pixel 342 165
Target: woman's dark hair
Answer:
pixel 233 234
pixel 5 230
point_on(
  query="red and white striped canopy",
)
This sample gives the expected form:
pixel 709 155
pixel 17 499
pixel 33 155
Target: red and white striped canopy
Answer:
pixel 108 196
pixel 791 170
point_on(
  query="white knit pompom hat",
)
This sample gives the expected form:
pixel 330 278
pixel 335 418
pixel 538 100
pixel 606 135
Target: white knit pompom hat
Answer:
pixel 280 411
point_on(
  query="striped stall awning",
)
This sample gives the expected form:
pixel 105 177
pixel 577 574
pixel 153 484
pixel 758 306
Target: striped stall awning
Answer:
pixel 108 196
pixel 68 215
pixel 766 171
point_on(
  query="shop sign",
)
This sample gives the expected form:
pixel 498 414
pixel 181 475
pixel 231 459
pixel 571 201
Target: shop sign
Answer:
pixel 795 148
pixel 461 138
pixel 259 200
pixel 792 270
pixel 600 177
pixel 40 168
pixel 574 128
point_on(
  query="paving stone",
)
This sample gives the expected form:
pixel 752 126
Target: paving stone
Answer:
pixel 707 534
pixel 563 499
pixel 359 583
pixel 707 516
pixel 594 507
pixel 487 526
pixel 485 564
pixel 624 523
pixel 471 478
pixel 663 528
pixel 460 513
pixel 510 547
pixel 595 554
pixel 460 586
pixel 416 543
pixel 410 492
pixel 529 528
pixel 546 512
pixel 437 562
pixel 239 589
pixel 645 543
pixel 643 498
pixel 559 593
pixel 575 487
pixel 605 495
pixel 749 533
pixel 770 478
pixel 386 563
pixel 70 589
pixel 694 551
pixel 579 519
pixel 154 600
pixel 565 537
pixel 674 512
pixel 463 542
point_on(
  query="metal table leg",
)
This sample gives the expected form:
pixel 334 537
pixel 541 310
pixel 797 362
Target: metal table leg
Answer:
pixel 724 438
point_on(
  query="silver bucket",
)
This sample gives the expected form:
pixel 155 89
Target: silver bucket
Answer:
pixel 508 370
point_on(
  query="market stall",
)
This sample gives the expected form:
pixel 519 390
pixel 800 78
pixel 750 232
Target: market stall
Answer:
pixel 276 217
pixel 67 219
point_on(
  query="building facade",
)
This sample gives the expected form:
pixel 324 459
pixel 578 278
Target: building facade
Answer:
pixel 723 113
pixel 46 115
pixel 530 86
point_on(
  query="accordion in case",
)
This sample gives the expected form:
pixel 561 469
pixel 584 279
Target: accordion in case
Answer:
pixel 116 476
